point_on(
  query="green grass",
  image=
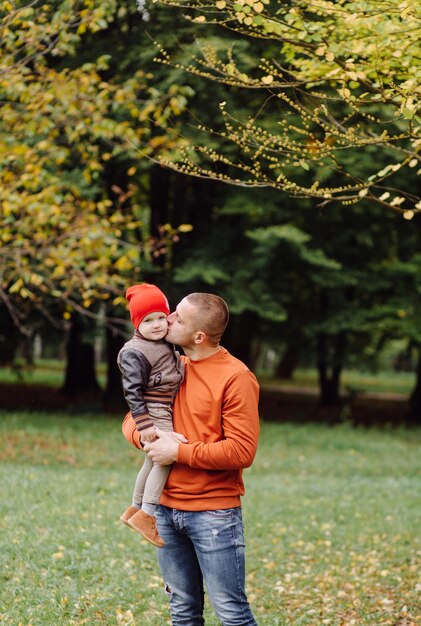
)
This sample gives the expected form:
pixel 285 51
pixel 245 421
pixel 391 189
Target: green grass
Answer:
pixel 44 372
pixel 331 516
pixel 361 382
pixel 51 372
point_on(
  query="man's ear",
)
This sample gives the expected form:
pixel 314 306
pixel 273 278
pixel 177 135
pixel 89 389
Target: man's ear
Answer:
pixel 200 337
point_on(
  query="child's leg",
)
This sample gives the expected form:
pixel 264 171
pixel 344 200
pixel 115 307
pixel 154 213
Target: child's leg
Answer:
pixel 143 521
pixel 153 488
pixel 139 489
pixel 140 483
pixel 162 419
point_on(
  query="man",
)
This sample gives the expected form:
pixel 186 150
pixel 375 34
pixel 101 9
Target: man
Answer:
pixel 199 517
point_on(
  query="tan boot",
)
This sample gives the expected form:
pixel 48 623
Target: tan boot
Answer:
pixel 146 525
pixel 128 513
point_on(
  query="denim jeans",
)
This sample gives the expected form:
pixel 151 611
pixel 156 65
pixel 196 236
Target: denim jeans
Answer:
pixel 209 546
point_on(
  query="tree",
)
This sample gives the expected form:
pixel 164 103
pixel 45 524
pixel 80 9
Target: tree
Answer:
pixel 330 113
pixel 332 288
pixel 64 233
pixel 72 207
pixel 335 81
pixel 398 313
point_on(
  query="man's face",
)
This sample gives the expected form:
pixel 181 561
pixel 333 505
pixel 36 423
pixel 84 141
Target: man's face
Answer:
pixel 181 325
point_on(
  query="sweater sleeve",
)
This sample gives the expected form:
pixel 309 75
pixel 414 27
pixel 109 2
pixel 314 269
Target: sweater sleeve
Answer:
pixel 135 370
pixel 240 430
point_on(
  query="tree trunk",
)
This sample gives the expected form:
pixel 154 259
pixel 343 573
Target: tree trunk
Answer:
pixel 289 361
pixel 159 189
pixel 9 338
pixel 414 414
pixel 330 367
pixel 113 389
pixel 238 338
pixel 80 369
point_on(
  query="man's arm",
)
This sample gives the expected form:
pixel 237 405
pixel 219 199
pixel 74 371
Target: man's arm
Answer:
pixel 132 435
pixel 240 426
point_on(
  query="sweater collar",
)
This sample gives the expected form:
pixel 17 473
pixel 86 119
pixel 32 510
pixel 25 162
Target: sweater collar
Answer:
pixel 213 357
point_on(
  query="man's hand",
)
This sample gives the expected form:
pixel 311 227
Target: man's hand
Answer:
pixel 164 450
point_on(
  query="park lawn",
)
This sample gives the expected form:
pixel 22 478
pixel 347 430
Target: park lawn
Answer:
pixel 51 372
pixel 331 515
pixel 352 381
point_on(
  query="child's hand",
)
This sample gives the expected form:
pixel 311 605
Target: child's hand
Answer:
pixel 148 435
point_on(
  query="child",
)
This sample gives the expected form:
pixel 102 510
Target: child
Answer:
pixel 151 374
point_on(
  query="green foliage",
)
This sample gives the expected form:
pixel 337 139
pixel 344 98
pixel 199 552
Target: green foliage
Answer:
pixel 269 237
pixel 71 205
pixel 322 87
pixel 85 110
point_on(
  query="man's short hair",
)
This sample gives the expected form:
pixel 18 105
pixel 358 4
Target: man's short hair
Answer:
pixel 212 314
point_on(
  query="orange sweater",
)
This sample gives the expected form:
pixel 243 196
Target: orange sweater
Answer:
pixel 216 409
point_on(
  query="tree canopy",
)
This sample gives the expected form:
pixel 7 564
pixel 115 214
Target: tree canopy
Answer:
pixel 329 95
pixel 317 101
pixel 72 209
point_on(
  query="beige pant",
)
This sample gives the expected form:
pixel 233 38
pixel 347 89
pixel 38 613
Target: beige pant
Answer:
pixel 152 477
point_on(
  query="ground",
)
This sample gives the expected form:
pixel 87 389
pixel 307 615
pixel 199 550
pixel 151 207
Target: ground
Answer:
pixel 303 405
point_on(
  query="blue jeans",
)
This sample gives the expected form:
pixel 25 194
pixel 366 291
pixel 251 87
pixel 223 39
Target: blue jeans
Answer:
pixel 209 546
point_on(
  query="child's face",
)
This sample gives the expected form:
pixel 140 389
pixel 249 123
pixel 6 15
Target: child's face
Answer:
pixel 154 326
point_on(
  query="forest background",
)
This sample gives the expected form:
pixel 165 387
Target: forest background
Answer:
pixel 263 151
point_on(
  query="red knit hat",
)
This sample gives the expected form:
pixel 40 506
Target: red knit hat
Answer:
pixel 144 299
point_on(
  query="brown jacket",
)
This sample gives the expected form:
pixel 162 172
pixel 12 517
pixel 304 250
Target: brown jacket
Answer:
pixel 151 372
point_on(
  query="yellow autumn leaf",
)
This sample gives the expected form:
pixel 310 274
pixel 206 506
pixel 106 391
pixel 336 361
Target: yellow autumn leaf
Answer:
pixel 267 80
pixel 185 228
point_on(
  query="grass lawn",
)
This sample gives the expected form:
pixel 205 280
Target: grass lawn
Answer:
pixel 43 372
pixel 352 380
pixel 331 514
pixel 51 372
